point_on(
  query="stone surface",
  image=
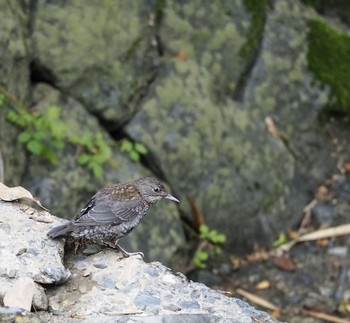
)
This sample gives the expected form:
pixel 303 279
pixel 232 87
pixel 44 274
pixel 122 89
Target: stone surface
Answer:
pixel 21 229
pixel 14 66
pixel 246 182
pixel 121 289
pixel 20 294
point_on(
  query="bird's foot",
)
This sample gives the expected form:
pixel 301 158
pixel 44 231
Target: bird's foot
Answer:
pixel 128 254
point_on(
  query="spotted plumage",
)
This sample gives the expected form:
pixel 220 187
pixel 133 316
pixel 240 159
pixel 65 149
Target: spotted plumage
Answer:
pixel 113 212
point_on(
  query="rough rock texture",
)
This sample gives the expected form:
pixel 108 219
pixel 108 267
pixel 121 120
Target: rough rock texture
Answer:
pixel 101 287
pixel 14 66
pixel 223 145
pixel 196 84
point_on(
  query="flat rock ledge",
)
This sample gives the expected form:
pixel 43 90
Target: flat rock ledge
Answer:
pixel 37 286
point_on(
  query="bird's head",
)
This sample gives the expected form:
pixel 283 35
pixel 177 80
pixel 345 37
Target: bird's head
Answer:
pixel 153 191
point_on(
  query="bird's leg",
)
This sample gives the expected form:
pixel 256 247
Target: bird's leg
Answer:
pixel 126 254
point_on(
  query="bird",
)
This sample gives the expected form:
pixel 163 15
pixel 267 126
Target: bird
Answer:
pixel 113 212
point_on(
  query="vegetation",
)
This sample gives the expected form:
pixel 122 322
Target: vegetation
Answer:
pixel 210 241
pixel 45 134
pixel 328 59
pixel 133 149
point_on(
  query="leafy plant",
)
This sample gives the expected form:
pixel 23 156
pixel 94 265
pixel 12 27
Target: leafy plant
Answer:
pixel 96 152
pixel 133 149
pixel 46 133
pixel 210 241
pixel 42 133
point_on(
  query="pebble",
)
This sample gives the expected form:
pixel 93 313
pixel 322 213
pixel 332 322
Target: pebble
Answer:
pixel 20 294
pixel 52 275
pixel 86 273
pixel 143 299
pixel 172 307
pixel 83 288
pixel 105 282
pixel 40 301
pixel 12 273
pixel 21 251
pixel 128 288
pixel 170 279
pixel 152 271
pixel 101 264
pixel 188 304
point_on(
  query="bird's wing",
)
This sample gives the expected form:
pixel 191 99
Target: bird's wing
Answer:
pixel 101 210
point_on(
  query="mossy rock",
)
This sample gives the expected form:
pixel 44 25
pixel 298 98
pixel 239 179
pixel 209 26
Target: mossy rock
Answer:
pixel 328 58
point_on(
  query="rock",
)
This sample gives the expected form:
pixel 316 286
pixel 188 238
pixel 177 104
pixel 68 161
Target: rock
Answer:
pixel 100 287
pixel 43 265
pixel 20 294
pixel 188 304
pixel 143 299
pixel 40 301
pixel 15 314
pixel 15 73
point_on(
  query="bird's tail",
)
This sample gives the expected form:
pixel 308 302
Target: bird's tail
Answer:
pixel 60 230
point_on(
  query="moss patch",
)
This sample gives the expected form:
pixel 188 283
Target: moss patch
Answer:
pixel 258 11
pixel 328 58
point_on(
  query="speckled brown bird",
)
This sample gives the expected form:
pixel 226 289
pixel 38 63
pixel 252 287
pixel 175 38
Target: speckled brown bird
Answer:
pixel 113 212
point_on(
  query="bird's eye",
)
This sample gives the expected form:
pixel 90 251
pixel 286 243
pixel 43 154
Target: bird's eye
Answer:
pixel 156 189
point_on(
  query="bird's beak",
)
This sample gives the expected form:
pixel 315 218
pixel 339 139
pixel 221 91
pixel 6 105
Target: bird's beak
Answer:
pixel 171 198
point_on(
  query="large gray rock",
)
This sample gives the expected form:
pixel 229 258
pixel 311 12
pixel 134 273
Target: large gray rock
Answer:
pixel 247 182
pixel 105 58
pixel 101 287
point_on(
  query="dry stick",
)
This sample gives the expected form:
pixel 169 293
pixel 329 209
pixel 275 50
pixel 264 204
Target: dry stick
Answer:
pixel 257 300
pixel 326 317
pixel 316 235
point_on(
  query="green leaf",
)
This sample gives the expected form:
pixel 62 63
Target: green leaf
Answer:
pixel 140 148
pixel 50 155
pixel 199 258
pixel 220 238
pixel 97 169
pixel 99 158
pixel 202 255
pixel 126 145
pixel 40 135
pixel 203 229
pixel 2 99
pixel 59 144
pixel 14 117
pixel 83 159
pixel 24 137
pixel 134 156
pixel 35 147
pixel 281 240
pixel 199 264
